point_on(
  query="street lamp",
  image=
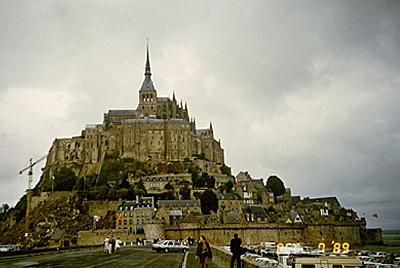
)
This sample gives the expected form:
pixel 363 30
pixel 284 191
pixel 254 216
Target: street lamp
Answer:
pixel 52 184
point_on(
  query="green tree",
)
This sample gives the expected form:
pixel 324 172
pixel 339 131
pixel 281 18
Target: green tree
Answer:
pixel 209 202
pixel 140 189
pixel 210 181
pixel 65 179
pixel 168 186
pixel 185 192
pixel 276 185
pixel 228 186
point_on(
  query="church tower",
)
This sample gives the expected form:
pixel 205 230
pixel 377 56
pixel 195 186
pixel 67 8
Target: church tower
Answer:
pixel 147 107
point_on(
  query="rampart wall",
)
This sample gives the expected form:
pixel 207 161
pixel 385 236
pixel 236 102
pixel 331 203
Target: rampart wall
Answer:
pixel 280 233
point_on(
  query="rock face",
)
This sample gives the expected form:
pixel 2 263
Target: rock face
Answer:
pixel 65 212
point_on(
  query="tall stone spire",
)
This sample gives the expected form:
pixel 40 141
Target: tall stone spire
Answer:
pixel 147 84
pixel 147 69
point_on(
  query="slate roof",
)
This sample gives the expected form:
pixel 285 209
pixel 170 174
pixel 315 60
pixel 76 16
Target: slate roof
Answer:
pixel 181 202
pixel 228 196
pixel 154 179
pixel 258 181
pixel 127 204
pixel 256 210
pixel 203 131
pixel 329 200
pixel 295 199
pixel 159 99
pixel 189 218
pixel 143 121
pixel 177 120
pixel 121 112
pixel 90 125
pixel 57 234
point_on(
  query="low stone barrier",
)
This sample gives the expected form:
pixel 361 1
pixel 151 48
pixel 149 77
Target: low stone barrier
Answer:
pixel 224 257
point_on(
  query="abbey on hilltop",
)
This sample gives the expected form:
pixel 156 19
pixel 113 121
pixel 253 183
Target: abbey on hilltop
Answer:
pixel 158 130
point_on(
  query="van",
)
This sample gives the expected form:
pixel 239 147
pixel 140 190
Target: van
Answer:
pixel 327 262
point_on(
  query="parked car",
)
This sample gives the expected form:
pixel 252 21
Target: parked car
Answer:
pixel 169 246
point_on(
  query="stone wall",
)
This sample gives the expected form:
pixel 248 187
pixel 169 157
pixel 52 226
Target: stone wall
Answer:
pixel 372 236
pixel 154 231
pixel 280 233
pixel 100 208
pixel 37 200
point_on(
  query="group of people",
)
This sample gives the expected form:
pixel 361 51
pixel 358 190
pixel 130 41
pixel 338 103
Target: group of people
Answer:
pixel 204 253
pixel 112 245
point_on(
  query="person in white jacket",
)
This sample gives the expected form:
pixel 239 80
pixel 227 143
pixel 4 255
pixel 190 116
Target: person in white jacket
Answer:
pixel 117 245
pixel 106 244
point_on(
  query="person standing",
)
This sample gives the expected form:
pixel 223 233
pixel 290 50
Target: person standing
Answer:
pixel 106 244
pixel 236 249
pixel 117 245
pixel 111 245
pixel 203 252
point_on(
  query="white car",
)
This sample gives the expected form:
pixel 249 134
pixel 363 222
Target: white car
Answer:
pixel 169 246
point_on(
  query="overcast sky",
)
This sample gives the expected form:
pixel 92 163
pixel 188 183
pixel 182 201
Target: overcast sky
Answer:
pixel 306 90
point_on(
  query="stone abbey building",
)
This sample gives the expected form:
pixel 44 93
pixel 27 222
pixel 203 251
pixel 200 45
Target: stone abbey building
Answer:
pixel 159 129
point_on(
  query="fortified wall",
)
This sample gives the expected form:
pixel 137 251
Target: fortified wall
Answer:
pixel 220 234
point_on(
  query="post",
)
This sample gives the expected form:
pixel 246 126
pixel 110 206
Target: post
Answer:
pixel 52 184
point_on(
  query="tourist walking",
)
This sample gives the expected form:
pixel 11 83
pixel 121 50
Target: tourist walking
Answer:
pixel 117 245
pixel 111 245
pixel 203 252
pixel 236 250
pixel 106 244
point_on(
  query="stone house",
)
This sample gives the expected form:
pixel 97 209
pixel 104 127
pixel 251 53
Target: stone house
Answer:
pixel 134 215
pixel 171 212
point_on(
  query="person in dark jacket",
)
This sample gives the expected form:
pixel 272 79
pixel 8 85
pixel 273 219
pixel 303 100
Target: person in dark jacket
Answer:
pixel 203 252
pixel 236 250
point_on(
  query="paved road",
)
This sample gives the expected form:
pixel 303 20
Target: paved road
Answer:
pixel 136 256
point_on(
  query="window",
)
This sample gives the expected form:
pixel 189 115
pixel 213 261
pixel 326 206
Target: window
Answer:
pixel 336 266
pixel 307 266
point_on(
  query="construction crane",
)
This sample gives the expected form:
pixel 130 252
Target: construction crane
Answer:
pixel 29 195
pixel 30 167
